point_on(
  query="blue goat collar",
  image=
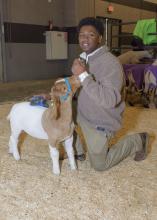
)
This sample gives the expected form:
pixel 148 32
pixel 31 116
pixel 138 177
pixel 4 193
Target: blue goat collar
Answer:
pixel 64 97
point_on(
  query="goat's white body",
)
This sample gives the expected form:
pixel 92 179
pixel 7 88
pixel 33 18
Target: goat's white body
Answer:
pixel 24 117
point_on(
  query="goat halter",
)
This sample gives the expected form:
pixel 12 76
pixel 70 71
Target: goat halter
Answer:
pixel 64 97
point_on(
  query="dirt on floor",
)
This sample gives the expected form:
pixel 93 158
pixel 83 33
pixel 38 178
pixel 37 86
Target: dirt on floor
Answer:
pixel 30 191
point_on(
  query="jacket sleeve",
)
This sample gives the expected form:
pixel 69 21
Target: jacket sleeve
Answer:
pixel 105 90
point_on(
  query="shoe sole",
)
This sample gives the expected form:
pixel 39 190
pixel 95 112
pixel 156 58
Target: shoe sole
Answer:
pixel 141 155
pixel 80 157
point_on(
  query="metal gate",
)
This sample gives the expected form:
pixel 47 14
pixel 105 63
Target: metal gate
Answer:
pixel 2 46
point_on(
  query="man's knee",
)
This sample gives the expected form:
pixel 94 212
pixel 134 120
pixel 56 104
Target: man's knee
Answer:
pixel 99 165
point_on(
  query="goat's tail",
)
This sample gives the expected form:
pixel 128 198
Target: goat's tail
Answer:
pixel 56 107
pixel 8 117
pixel 10 113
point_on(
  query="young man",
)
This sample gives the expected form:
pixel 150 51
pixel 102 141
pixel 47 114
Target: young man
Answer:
pixel 100 105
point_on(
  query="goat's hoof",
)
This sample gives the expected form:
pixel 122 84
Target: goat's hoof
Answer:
pixel 56 172
pixel 17 157
pixel 74 168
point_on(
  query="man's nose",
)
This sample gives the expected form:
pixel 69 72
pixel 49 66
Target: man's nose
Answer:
pixel 85 37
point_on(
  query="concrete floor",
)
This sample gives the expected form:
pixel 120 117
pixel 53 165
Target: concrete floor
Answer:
pixel 22 90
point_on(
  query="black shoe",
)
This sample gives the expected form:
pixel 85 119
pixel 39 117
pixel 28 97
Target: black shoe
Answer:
pixel 142 154
pixel 80 157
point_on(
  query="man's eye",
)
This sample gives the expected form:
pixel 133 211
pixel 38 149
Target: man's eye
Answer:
pixel 92 35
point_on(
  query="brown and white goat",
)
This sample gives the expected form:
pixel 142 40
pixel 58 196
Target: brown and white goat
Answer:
pixel 54 124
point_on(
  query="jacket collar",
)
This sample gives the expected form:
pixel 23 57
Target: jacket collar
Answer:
pixel 96 52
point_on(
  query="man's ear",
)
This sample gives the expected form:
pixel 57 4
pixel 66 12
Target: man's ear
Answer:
pixel 100 39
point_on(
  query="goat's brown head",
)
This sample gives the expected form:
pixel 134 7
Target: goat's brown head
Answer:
pixel 63 90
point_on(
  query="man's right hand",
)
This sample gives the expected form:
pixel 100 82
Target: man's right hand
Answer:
pixel 78 67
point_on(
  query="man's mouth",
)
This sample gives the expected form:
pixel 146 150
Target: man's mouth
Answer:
pixel 85 45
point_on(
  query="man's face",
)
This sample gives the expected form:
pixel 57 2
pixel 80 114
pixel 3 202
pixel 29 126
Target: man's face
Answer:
pixel 89 38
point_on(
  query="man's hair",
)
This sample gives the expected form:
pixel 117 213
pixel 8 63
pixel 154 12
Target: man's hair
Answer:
pixel 93 22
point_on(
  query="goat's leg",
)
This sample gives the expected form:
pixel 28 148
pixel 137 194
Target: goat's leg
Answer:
pixel 68 145
pixel 13 144
pixel 55 160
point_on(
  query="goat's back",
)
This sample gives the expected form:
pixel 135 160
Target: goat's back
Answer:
pixel 26 117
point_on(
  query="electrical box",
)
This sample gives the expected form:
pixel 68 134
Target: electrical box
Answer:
pixel 56 45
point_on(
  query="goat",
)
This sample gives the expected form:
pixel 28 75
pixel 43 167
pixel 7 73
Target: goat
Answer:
pixel 133 57
pixel 54 124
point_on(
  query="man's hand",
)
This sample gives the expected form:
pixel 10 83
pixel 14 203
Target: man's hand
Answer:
pixel 78 67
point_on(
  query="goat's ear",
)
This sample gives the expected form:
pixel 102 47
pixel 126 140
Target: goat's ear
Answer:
pixel 75 83
pixel 56 108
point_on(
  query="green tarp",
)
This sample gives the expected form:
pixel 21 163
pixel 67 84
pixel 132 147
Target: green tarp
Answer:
pixel 144 28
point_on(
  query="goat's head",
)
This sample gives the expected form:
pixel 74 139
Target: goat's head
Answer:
pixel 62 91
